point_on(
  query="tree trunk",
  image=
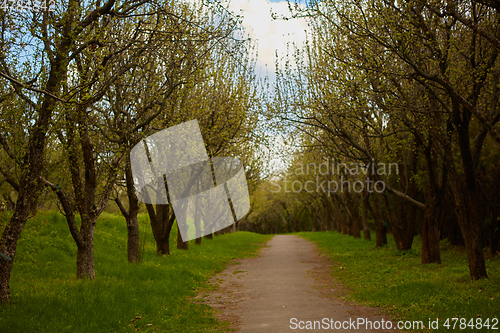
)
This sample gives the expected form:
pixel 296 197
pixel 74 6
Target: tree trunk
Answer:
pixel 85 262
pixel 470 226
pixel 133 238
pixel 162 246
pixel 5 270
pixel 430 228
pixel 197 225
pixel 132 222
pixel 344 229
pixel 404 230
pixel 161 225
pixel 380 227
pixel 353 216
pixel 474 245
pixel 131 215
pixel 380 233
pixel 336 215
pixel 494 234
pixel 364 217
pixel 131 218
pixel 181 245
pixel 32 164
pixel 466 194
pixel 85 252
pixel 430 239
pixel 8 246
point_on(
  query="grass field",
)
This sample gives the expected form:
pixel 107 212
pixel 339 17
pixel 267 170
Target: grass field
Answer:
pixel 47 297
pixel 409 291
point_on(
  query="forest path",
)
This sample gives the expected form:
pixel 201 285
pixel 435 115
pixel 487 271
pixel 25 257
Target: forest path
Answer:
pixel 289 279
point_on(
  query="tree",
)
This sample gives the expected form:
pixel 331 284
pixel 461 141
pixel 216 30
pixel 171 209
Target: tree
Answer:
pixel 430 73
pixel 55 39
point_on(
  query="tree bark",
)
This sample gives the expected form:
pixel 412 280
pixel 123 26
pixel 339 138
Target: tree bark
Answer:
pixel 380 227
pixel 10 237
pixel 181 245
pixel 353 215
pixel 30 185
pixel 133 235
pixel 430 229
pixel 473 241
pixel 161 224
pixel 466 194
pixel 364 217
pixel 404 230
pixel 430 238
pixel 380 233
pixel 133 238
pixel 85 254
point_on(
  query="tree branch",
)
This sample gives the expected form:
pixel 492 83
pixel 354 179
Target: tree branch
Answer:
pixel 68 210
pixel 414 202
pixel 23 85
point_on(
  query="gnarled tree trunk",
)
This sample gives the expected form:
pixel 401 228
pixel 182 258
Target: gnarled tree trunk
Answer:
pixel 161 224
pixel 131 215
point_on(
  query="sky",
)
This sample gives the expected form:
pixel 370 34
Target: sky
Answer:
pixel 271 35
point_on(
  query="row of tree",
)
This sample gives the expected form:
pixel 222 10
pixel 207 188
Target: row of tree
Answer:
pixel 81 85
pixel 410 84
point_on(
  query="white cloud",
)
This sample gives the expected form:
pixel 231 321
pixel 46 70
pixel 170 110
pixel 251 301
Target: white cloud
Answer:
pixel 271 35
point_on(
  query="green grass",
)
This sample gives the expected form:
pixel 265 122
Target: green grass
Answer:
pixel 408 290
pixel 47 297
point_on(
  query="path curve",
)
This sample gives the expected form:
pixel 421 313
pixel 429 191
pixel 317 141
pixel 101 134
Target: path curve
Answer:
pixel 289 279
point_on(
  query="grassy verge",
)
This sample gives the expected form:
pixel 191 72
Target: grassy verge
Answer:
pixel 48 298
pixel 410 291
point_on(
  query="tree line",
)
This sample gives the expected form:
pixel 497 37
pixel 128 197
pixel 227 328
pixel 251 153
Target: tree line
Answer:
pixel 412 83
pixel 82 84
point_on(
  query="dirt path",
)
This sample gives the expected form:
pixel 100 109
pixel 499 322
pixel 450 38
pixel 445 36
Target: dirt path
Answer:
pixel 289 279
